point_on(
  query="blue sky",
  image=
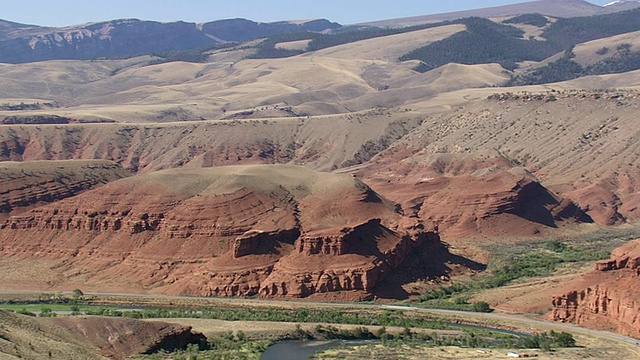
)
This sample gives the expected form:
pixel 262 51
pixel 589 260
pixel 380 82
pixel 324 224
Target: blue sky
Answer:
pixel 72 12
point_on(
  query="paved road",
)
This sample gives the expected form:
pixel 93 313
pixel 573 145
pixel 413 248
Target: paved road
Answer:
pixel 510 318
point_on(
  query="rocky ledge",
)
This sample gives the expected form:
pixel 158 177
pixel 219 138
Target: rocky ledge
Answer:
pixel 606 298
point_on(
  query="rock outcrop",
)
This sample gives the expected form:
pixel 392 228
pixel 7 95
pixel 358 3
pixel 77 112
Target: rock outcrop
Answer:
pixel 607 298
pixel 271 230
pixel 89 337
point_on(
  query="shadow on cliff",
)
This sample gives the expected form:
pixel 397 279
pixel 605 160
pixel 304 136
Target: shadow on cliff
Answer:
pixel 536 203
pixel 429 261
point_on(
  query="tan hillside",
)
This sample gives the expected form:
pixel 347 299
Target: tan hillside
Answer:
pixel 591 52
pixel 323 143
pixel 342 79
pixel 293 45
pixel 390 48
pixel 587 53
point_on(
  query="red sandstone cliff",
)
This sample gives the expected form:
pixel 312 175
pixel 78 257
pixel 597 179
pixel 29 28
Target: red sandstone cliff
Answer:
pixel 606 298
pixel 271 230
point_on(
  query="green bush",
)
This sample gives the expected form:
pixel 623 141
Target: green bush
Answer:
pixel 24 311
pixel 481 306
pixel 47 312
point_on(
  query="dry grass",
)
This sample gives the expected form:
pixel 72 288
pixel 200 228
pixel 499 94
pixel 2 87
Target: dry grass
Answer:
pixel 341 79
pixel 390 48
pixel 421 352
pixel 313 84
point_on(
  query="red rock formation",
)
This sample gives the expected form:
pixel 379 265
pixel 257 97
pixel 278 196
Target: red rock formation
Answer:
pixel 271 230
pixel 607 298
pixel 26 185
pixel 470 195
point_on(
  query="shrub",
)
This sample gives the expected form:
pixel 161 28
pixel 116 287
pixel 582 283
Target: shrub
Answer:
pixel 47 312
pixel 24 311
pixel 481 306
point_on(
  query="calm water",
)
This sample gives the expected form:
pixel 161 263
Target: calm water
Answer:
pixel 302 350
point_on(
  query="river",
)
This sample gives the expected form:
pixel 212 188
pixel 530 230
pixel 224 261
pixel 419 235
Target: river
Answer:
pixel 302 350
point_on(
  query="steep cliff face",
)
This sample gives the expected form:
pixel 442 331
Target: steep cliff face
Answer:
pixel 607 298
pixel 271 230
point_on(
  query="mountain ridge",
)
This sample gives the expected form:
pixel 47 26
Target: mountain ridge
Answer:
pixel 22 43
pixel 555 8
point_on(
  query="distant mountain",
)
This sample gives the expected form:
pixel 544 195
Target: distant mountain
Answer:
pixel 622 5
pixel 555 8
pixel 6 26
pixel 107 39
pixel 245 30
pixel 485 41
pixel 20 43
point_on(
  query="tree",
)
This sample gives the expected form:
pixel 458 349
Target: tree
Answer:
pixel 481 306
pixel 47 312
pixel 24 311
pixel 563 339
pixel 77 294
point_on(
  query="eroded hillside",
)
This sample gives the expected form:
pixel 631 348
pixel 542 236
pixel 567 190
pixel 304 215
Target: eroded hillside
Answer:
pixel 581 144
pixel 269 230
pixel 27 185
pixel 24 337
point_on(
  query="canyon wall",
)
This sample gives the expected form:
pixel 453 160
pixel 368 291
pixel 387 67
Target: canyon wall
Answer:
pixel 268 230
pixel 606 298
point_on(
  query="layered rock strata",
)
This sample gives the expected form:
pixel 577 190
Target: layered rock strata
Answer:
pixel 24 185
pixel 606 298
pixel 470 195
pixel 271 230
